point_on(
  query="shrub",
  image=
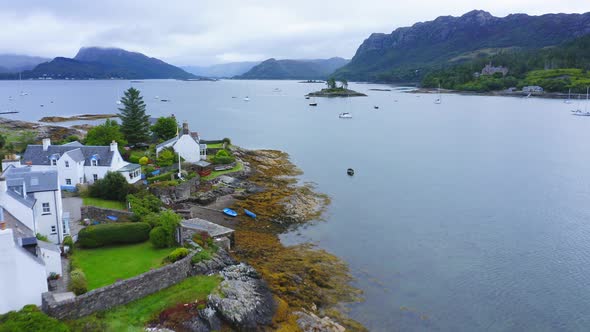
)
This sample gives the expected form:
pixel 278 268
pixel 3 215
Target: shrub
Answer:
pixel 30 318
pixel 226 140
pixel 159 237
pixel 144 203
pixel 161 177
pixel 116 233
pixel 203 255
pixel 143 161
pixel 166 157
pixel 113 186
pixel 223 157
pixel 78 283
pixel 68 241
pixel 176 254
pixel 41 237
pixel 168 221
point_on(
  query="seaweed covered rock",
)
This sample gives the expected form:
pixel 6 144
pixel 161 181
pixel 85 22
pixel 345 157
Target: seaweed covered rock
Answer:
pixel 244 299
pixel 309 322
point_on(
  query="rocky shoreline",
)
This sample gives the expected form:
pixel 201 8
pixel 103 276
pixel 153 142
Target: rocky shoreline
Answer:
pixel 39 131
pixel 503 93
pixel 81 117
pixel 307 283
pixel 336 93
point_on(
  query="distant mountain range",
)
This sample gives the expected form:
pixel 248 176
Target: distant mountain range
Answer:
pixel 14 63
pixel 294 69
pixel 408 53
pixel 105 63
pixel 224 70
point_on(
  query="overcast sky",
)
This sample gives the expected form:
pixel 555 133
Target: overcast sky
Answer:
pixel 196 32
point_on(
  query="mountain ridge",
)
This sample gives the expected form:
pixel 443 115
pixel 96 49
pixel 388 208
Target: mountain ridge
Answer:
pixel 301 69
pixel 406 52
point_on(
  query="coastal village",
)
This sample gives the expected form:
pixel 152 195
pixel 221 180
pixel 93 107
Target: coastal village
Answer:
pixel 96 226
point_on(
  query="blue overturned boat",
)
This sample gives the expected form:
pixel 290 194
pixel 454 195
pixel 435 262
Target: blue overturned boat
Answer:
pixel 250 213
pixel 230 212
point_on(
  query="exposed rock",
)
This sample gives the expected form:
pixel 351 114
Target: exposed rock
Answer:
pixel 309 322
pixel 82 117
pixel 245 300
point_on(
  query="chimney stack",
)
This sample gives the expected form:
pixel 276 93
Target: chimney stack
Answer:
pixel 46 143
pixel 185 130
pixel 114 146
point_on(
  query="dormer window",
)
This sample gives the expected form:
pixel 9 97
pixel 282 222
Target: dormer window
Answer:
pixel 53 159
pixel 94 160
pixel 53 162
pixel 67 163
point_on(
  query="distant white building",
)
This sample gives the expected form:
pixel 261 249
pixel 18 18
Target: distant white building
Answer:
pixel 23 277
pixel 77 163
pixel 33 198
pixel 532 89
pixel 186 144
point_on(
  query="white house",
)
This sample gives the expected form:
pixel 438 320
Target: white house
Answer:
pixel 186 144
pixel 77 163
pixel 23 278
pixel 34 199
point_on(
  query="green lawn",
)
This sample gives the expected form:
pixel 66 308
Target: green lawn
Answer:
pixel 103 203
pixel 134 316
pixel 104 266
pixel 215 146
pixel 215 174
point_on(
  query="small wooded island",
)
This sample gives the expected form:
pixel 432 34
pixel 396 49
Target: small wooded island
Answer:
pixel 336 91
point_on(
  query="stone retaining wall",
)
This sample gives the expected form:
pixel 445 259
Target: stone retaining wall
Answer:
pixel 125 291
pixel 100 214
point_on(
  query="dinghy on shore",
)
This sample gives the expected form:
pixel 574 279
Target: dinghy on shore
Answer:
pixel 230 212
pixel 250 213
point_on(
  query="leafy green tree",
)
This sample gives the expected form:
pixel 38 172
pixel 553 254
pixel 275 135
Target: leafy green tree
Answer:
pixel 135 124
pixel 113 186
pixel 2 141
pixel 105 133
pixel 223 157
pixel 331 83
pixel 164 234
pixel 165 128
pixel 143 203
pixel 344 83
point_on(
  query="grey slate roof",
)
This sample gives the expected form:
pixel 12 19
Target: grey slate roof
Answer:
pixel 76 155
pixel 48 246
pixel 36 155
pixel 170 141
pixel 129 167
pixel 28 202
pixel 34 181
pixel 74 143
pixel 212 229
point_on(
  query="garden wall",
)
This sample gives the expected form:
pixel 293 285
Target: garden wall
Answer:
pixel 128 290
pixel 96 213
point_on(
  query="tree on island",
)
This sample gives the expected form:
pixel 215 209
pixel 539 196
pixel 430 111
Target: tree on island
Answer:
pixel 165 128
pixel 344 83
pixel 105 133
pixel 331 83
pixel 135 124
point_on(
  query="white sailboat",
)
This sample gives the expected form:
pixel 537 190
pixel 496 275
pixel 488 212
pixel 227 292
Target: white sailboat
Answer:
pixel 438 100
pixel 579 112
pixel 569 97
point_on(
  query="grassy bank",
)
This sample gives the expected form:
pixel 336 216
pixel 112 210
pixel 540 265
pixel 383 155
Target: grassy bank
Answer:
pixel 103 203
pixel 215 174
pixel 135 315
pixel 104 266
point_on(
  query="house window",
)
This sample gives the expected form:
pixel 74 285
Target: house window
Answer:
pixel 46 208
pixel 53 229
pixel 94 162
pixel 54 162
pixel 67 163
pixel 95 177
pixel 69 181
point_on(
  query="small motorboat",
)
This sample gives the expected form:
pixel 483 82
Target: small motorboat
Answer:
pixel 165 100
pixel 250 213
pixel 118 102
pixel 230 212
pixel 313 104
pixel 306 97
pixel 345 115
pixel 376 107
pixel 350 172
pixel 246 99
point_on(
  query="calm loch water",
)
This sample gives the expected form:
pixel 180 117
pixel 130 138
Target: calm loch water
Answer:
pixel 472 215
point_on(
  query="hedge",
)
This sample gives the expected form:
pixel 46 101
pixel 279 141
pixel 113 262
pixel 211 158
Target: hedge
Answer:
pixel 165 176
pixel 107 234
